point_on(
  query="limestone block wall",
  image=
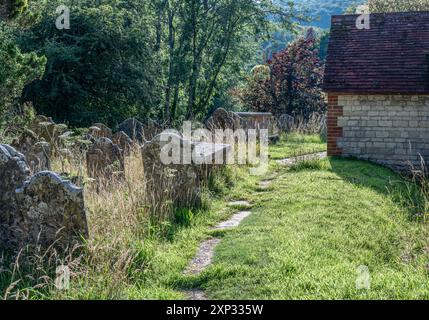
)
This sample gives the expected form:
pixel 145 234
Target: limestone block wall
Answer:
pixel 392 130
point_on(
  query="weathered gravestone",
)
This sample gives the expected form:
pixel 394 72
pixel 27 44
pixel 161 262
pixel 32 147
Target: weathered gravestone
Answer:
pixel 51 212
pixel 40 210
pixel 286 123
pixel 132 128
pixel 50 132
pixel 152 129
pixel 140 132
pixel 222 119
pixel 93 134
pixel 26 141
pixel 104 132
pixel 260 121
pixel 105 159
pixel 38 157
pixel 181 179
pixel 37 153
pixel 123 141
pixel 13 172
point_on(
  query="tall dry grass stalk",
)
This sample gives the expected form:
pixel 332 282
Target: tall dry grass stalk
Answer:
pixel 117 218
pixel 315 124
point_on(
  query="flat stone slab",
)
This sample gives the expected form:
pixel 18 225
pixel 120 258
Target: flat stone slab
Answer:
pixel 239 204
pixel 234 221
pixel 265 184
pixel 204 257
pixel 313 156
pixel 197 295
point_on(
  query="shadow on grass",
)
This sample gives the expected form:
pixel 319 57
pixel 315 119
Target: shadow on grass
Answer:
pixel 402 190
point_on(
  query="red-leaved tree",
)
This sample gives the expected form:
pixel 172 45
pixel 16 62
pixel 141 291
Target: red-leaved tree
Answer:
pixel 290 83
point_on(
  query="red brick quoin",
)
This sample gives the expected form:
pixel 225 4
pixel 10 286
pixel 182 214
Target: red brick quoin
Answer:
pixel 334 131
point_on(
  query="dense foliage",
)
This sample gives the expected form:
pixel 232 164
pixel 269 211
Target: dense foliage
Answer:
pixel 167 59
pixel 101 69
pixel 398 5
pixel 289 83
pixel 17 69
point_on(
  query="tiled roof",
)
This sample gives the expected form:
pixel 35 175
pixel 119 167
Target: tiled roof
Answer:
pixel 391 57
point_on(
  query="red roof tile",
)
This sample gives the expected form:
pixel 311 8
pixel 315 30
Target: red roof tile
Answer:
pixel 391 57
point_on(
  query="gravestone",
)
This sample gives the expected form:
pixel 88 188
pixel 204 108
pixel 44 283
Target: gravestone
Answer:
pixel 123 141
pixel 177 182
pixel 104 132
pixel 105 159
pixel 93 134
pixel 286 123
pixel 132 128
pixel 38 157
pixel 13 172
pixel 51 212
pixel 39 210
pixel 151 129
pixel 26 141
pixel 222 119
pixel 51 133
pixel 260 121
pixel 37 153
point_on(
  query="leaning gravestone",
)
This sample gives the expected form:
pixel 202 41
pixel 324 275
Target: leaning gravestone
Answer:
pixel 13 172
pixel 104 159
pixel 51 212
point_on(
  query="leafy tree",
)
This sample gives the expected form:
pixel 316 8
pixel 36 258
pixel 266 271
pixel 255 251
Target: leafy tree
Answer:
pixel 206 43
pixel 17 69
pixel 290 83
pixel 398 5
pixel 10 9
pixel 101 69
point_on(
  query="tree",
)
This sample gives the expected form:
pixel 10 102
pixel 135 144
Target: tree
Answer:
pixel 101 69
pixel 398 5
pixel 290 83
pixel 203 40
pixel 17 68
pixel 10 9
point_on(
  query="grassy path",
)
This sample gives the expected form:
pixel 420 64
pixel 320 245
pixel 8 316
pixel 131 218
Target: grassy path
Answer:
pixel 310 233
pixel 312 226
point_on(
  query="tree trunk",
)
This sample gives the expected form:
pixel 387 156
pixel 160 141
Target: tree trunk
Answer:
pixel 170 66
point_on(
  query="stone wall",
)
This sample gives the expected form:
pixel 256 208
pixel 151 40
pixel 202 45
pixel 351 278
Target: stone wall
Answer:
pixel 392 130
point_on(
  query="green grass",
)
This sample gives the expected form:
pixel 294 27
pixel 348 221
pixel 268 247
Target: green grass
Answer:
pixel 293 144
pixel 310 233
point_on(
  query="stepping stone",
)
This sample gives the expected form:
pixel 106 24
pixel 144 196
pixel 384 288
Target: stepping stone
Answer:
pixel 195 294
pixel 234 221
pixel 264 184
pixel 204 257
pixel 239 204
pixel 313 156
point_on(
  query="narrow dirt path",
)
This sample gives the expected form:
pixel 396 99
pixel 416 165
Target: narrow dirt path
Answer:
pixel 205 252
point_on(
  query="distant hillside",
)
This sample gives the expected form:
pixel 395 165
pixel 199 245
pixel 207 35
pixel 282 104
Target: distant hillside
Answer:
pixel 322 10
